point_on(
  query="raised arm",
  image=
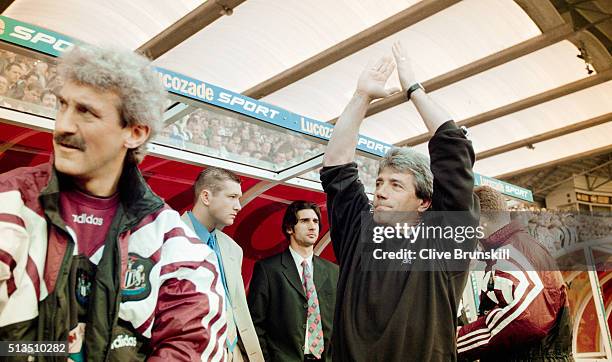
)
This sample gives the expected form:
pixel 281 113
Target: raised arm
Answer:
pixel 433 115
pixel 371 85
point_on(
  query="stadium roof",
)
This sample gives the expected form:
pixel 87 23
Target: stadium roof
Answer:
pixel 509 69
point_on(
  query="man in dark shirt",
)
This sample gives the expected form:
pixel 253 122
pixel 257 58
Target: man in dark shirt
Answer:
pixel 386 315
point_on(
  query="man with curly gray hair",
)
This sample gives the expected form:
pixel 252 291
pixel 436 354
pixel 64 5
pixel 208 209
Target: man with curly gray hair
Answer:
pixel 88 253
pixel 141 97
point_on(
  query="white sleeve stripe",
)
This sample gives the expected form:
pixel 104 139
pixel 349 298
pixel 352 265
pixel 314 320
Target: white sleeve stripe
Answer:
pixel 492 318
pixel 533 279
pixel 215 329
pixel 477 338
pixel 500 320
pixel 533 293
pixel 479 335
pixel 520 291
pixel 460 350
pixel 477 331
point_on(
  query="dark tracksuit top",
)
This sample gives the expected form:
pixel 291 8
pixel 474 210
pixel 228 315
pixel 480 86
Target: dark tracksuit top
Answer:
pixel 390 315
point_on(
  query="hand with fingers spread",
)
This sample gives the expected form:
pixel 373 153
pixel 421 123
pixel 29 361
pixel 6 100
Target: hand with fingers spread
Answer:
pixel 373 79
pixel 404 66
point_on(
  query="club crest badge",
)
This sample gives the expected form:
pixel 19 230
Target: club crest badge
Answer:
pixel 136 285
pixel 83 287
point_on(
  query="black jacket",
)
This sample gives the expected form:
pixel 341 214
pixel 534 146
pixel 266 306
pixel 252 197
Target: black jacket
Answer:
pixel 278 305
pixel 384 315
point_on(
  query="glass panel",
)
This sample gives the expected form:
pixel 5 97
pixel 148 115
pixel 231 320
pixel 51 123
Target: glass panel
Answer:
pixel 28 84
pixel 367 167
pixel 219 133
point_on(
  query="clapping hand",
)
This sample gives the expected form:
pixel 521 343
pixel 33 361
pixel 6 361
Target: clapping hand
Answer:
pixel 373 79
pixel 404 66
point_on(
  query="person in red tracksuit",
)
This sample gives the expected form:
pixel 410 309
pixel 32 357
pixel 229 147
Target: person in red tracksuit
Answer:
pixel 524 311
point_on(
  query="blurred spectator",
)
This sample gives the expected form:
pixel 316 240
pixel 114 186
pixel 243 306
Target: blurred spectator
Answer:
pixel 28 81
pixel 233 148
pixel 32 93
pixel 32 78
pixel 6 58
pixel 49 99
pixel 4 85
pixel 13 73
pixel 543 233
pixel 41 69
pixel 198 135
pixel 216 143
pixel 560 230
pixel 180 134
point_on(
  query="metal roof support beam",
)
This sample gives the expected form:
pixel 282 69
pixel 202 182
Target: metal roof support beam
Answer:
pixel 588 181
pixel 595 187
pixel 531 178
pixel 545 136
pixel 543 13
pixel 256 190
pixel 591 153
pixel 504 56
pixel 569 178
pixel 301 169
pixel 194 21
pixel 281 177
pixel 373 34
pixel 176 113
pixel 548 38
pixel 548 175
pixel 4 4
pixel 521 104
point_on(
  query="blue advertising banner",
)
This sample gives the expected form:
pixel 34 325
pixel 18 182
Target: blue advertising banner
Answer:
pixel 192 88
pixel 52 43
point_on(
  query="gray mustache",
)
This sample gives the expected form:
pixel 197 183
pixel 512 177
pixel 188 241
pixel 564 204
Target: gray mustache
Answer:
pixel 70 140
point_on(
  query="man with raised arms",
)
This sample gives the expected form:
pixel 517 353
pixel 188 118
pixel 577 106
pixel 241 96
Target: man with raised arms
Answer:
pixel 385 315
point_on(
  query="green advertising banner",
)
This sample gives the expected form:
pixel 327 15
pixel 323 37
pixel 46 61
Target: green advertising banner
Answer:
pixel 504 187
pixel 33 37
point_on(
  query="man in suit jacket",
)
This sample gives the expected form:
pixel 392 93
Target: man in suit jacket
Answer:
pixel 217 202
pixel 292 294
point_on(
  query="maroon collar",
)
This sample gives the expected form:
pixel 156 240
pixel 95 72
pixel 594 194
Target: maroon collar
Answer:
pixel 502 236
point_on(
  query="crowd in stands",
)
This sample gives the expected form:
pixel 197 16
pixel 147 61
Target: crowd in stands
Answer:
pixel 224 136
pixel 558 230
pixel 27 84
pixel 216 134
